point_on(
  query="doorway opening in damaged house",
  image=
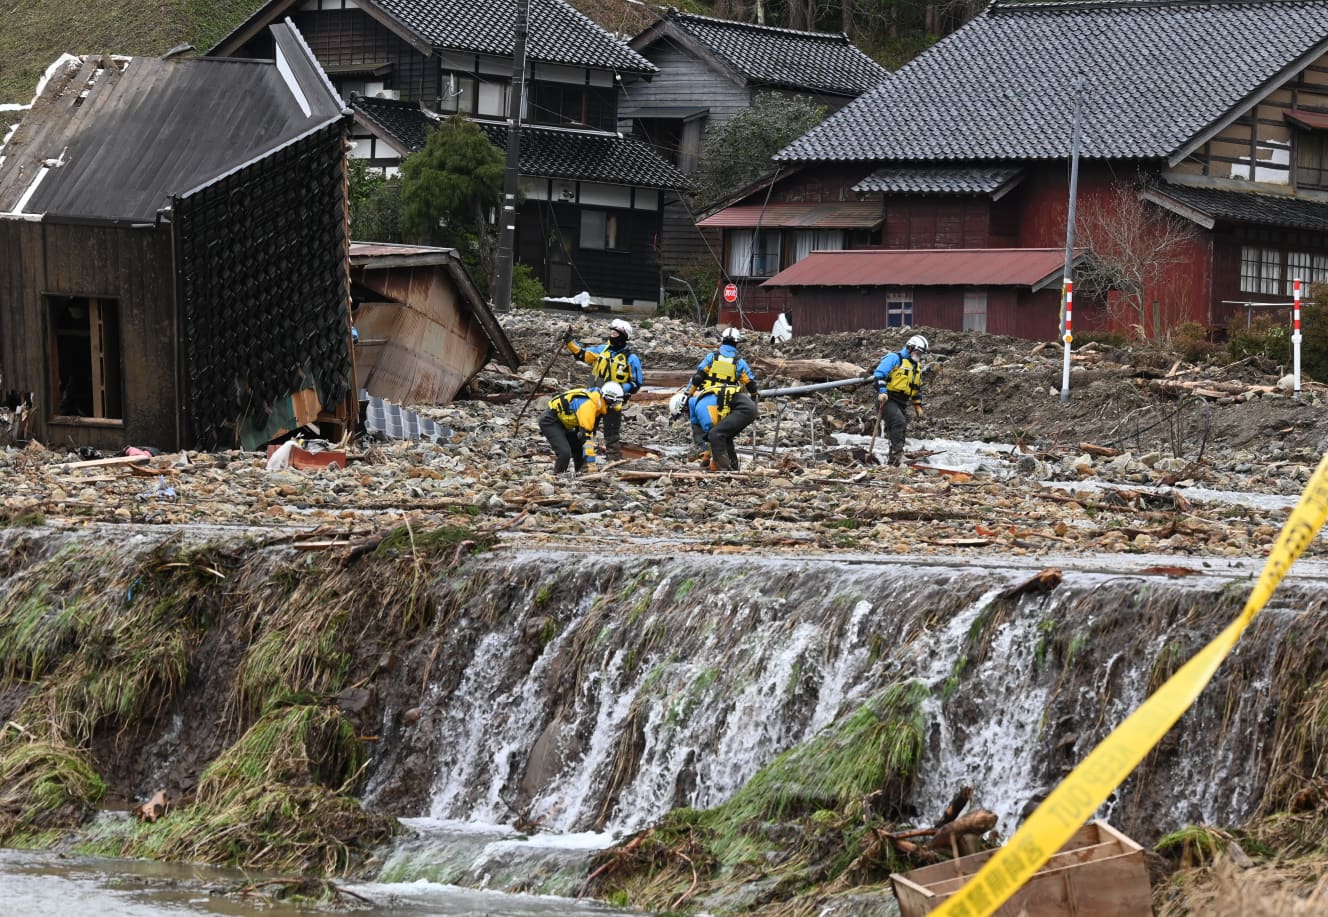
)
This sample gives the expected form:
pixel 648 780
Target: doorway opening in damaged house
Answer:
pixel 85 357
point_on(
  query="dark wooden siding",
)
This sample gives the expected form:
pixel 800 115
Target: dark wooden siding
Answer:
pixel 349 37
pixel 937 222
pixel 631 273
pixel 683 245
pixel 684 80
pixel 131 266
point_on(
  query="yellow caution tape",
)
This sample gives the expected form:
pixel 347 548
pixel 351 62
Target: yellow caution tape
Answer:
pixel 1077 797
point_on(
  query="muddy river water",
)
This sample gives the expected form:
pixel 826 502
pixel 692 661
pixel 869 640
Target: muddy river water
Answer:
pixel 41 884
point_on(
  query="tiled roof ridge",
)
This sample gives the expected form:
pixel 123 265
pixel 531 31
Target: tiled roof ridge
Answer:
pixel 679 15
pixel 1079 6
pixel 551 128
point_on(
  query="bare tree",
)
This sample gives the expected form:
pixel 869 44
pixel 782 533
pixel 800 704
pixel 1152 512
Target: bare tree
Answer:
pixel 1130 244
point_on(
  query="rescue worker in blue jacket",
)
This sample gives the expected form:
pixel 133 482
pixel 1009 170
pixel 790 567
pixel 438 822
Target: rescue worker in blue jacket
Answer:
pixel 612 361
pixel 899 385
pixel 720 408
pixel 570 421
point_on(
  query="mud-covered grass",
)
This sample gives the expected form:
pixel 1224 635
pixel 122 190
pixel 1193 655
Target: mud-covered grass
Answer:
pixel 802 827
pixel 278 799
pixel 45 786
pixel 103 646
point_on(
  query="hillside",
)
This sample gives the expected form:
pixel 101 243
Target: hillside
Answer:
pixel 38 31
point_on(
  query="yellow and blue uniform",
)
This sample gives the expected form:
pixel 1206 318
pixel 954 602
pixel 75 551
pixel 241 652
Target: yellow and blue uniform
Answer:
pixel 569 425
pixel 612 362
pixel 718 406
pixel 898 382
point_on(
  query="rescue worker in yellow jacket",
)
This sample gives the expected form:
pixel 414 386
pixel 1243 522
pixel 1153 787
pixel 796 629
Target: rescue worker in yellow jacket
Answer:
pixel 720 408
pixel 570 421
pixel 612 361
pixel 899 384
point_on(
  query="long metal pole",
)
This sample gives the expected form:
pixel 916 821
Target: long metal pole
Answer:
pixel 812 387
pixel 502 286
pixel 1067 334
pixel 1295 337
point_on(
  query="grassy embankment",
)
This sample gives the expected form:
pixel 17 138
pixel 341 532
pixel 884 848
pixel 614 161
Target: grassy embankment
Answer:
pixel 102 649
pixel 37 32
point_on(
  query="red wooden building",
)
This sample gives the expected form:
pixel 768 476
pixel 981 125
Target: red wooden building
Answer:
pixel 1208 120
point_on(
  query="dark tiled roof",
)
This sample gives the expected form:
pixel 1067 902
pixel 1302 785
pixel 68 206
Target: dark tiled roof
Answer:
pixel 817 61
pixel 1157 74
pixel 547 152
pixel 559 34
pixel 1245 207
pixel 967 181
pixel 404 122
pixel 552 152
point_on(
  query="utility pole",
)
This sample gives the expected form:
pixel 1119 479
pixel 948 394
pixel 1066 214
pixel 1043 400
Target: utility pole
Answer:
pixel 502 286
pixel 1067 306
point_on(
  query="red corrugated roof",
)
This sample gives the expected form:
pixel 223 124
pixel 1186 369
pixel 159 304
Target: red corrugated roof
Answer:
pixel 842 215
pixel 1024 267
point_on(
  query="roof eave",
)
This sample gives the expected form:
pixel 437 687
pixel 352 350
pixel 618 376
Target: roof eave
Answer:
pixel 1185 211
pixel 1247 103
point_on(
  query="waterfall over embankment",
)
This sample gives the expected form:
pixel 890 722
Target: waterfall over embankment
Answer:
pixel 566 691
pixel 585 692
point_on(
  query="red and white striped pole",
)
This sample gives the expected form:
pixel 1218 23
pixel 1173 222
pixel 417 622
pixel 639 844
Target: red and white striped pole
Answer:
pixel 1069 337
pixel 1295 336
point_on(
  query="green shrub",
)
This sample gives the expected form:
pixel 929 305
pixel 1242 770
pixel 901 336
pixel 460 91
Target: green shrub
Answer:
pixel 1190 340
pixel 1265 336
pixel 527 291
pixel 1314 331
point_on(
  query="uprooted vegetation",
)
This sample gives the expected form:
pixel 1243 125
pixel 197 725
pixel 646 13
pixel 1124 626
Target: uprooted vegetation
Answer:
pixel 256 670
pixel 819 805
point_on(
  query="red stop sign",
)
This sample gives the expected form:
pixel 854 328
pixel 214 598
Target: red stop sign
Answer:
pixel 730 292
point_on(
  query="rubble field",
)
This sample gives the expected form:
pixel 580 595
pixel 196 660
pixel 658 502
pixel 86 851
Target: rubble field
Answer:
pixel 1149 454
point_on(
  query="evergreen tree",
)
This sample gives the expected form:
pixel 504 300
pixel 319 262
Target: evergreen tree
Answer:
pixel 449 189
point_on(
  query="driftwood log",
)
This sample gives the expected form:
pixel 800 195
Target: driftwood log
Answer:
pixel 953 836
pixel 808 370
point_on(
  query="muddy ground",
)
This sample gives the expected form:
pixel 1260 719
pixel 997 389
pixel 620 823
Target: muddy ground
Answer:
pixel 1150 433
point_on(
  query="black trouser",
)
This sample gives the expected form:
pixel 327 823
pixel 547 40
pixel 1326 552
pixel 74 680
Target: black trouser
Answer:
pixel 895 416
pixel 742 411
pixel 566 443
pixel 699 437
pixel 613 430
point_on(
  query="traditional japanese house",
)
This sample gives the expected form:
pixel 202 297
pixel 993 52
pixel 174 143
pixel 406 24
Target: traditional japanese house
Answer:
pixel 175 270
pixel 709 70
pixel 1203 130
pixel 590 219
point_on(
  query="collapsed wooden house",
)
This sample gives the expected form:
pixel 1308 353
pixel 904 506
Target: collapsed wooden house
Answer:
pixel 175 269
pixel 423 329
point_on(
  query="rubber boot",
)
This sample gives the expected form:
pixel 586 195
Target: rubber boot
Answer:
pixel 896 457
pixel 612 452
pixel 721 461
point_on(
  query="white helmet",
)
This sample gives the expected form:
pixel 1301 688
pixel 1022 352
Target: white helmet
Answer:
pixel 678 404
pixel 622 326
pixel 612 392
pixel 917 342
pixel 730 336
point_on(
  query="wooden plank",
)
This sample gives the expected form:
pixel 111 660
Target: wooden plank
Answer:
pixel 101 463
pixel 1099 871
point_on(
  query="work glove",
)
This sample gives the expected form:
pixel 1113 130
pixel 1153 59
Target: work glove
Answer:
pixel 568 336
pixel 882 398
pixel 917 409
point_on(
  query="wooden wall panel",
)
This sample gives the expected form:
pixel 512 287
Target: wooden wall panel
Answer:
pixel 133 267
